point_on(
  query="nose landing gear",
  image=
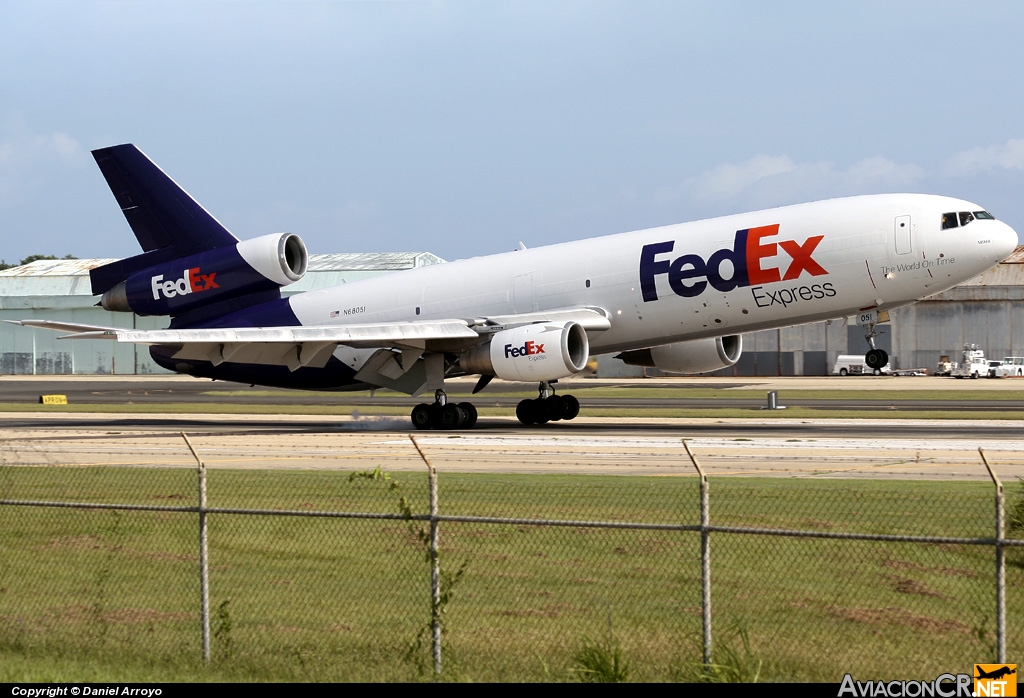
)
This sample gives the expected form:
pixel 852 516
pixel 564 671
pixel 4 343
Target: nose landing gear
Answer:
pixel 876 358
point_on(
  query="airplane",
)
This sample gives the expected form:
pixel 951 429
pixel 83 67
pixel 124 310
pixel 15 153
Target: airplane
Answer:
pixel 995 673
pixel 677 298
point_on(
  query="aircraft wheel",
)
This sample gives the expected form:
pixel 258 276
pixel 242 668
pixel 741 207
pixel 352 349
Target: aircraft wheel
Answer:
pixel 450 417
pixel 572 407
pixel 876 358
pixel 540 413
pixel 554 407
pixel 525 412
pixel 421 416
pixel 469 414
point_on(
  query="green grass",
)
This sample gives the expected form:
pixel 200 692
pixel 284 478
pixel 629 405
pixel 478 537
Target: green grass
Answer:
pixel 113 596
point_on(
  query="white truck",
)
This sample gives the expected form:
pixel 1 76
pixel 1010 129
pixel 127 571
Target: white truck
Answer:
pixel 973 365
pixel 853 365
pixel 1011 367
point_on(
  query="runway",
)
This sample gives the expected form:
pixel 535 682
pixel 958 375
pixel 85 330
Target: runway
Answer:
pixel 755 446
pixel 765 448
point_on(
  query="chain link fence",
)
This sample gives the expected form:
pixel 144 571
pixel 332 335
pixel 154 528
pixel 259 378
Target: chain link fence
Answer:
pixel 362 575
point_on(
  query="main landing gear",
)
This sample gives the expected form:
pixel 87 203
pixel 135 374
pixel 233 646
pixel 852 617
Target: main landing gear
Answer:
pixel 443 414
pixel 548 407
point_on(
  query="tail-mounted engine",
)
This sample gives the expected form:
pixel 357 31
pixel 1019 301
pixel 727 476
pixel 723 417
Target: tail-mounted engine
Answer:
pixel 172 288
pixel 694 356
pixel 541 352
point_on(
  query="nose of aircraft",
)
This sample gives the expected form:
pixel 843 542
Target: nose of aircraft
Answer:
pixel 1005 239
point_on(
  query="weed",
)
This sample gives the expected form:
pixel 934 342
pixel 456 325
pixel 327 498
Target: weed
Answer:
pixel 222 633
pixel 600 662
pixel 1015 508
pixel 733 660
pixel 103 577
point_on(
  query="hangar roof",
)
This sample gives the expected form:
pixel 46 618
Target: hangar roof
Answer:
pixel 1009 272
pixel 63 277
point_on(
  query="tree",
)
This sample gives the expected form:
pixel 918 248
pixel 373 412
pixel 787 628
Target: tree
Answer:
pixel 33 258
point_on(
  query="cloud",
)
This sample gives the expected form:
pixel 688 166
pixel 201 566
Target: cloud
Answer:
pixel 728 180
pixel 772 180
pixel 29 159
pixel 1008 156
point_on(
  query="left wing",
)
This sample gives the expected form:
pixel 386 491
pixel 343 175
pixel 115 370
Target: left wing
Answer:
pixel 297 347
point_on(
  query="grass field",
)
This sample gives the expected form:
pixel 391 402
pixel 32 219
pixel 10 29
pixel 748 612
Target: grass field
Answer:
pixel 114 596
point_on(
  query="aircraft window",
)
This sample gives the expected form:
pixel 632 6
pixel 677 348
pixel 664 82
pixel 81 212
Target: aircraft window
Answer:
pixel 949 221
pixel 966 217
pixel 984 216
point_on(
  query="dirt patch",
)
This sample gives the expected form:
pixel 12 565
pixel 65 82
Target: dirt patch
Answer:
pixel 587 580
pixel 553 611
pixel 144 615
pixel 81 613
pixel 819 524
pixel 907 565
pixel 897 616
pixel 75 543
pixel 912 586
pixel 90 542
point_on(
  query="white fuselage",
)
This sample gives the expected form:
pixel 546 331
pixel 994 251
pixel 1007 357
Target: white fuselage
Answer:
pixel 799 264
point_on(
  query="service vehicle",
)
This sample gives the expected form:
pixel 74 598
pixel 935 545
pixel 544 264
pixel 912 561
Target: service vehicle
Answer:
pixel 973 364
pixel 855 365
pixel 1011 367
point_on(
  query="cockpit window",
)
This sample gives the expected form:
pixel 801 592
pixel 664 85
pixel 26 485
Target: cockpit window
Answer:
pixel 962 218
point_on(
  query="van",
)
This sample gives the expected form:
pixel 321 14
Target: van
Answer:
pixel 853 365
pixel 1011 367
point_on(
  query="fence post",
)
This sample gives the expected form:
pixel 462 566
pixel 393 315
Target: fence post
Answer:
pixel 1000 561
pixel 204 568
pixel 435 567
pixel 705 555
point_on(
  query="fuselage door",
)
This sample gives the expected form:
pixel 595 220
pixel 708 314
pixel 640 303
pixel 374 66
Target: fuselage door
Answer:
pixel 522 293
pixel 904 237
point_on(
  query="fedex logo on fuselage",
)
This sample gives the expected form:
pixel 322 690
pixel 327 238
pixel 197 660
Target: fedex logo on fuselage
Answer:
pixel 689 274
pixel 531 348
pixel 191 281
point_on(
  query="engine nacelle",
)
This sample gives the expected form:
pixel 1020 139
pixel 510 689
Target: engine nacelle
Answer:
pixel 694 356
pixel 541 352
pixel 172 288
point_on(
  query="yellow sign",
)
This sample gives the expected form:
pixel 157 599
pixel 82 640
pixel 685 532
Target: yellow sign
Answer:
pixel 995 680
pixel 53 399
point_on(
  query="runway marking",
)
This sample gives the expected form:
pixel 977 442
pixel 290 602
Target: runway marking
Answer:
pixel 709 442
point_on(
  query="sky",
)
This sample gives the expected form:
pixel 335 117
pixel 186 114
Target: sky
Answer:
pixel 465 128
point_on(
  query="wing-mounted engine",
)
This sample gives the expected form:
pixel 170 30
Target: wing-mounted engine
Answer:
pixel 175 287
pixel 540 352
pixel 694 356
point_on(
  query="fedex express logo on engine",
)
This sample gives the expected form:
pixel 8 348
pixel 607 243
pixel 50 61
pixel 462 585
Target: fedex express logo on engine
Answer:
pixel 531 348
pixel 689 274
pixel 191 281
